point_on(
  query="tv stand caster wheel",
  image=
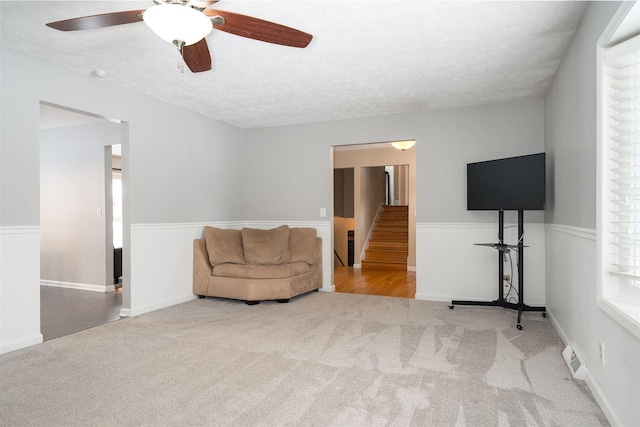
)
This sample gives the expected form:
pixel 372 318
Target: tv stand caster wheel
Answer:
pixel 451 307
pixel 544 314
pixel 519 326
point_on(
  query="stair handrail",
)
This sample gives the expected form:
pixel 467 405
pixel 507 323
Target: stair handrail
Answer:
pixel 339 259
pixel 365 244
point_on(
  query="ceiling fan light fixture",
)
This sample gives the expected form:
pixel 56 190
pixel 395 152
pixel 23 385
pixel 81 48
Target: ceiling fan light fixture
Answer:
pixel 403 145
pixel 177 24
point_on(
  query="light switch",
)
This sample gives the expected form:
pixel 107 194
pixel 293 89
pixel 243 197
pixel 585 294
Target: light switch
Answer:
pixel 99 213
pixel 323 212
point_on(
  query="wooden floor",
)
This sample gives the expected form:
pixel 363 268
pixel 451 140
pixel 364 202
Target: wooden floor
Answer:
pixel 391 283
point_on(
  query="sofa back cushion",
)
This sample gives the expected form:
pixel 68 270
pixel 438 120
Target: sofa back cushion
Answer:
pixel 223 246
pixel 266 247
pixel 302 245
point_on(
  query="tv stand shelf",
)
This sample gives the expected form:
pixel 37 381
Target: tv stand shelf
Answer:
pixel 503 248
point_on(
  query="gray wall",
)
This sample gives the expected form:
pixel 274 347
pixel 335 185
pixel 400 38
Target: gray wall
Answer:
pixel 343 190
pixel 181 164
pixel 571 141
pixel 72 188
pixel 570 129
pixel 178 167
pixel 289 168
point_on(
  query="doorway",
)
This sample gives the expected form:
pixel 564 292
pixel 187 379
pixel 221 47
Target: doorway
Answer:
pixel 374 184
pixel 76 220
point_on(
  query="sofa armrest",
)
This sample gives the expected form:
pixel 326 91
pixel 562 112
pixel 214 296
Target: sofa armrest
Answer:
pixel 201 268
pixel 317 265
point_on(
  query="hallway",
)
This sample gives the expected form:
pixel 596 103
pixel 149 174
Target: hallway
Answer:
pixel 382 282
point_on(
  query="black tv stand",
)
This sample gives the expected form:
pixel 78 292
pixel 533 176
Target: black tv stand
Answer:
pixel 502 248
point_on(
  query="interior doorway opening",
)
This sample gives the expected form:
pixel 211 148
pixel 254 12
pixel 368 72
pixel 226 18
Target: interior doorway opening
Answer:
pixel 372 183
pixel 78 154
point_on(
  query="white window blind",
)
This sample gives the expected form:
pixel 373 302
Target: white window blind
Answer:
pixel 622 112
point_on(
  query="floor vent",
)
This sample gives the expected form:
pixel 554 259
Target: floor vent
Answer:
pixel 574 362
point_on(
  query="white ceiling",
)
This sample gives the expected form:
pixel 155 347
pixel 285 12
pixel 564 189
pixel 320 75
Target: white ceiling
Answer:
pixel 367 58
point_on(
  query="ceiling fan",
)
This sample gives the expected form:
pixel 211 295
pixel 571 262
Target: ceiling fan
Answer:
pixel 185 23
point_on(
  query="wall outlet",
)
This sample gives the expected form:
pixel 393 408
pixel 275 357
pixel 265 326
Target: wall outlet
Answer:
pixel 506 277
pixel 601 349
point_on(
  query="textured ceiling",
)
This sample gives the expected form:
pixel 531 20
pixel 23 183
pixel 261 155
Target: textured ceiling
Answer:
pixel 366 58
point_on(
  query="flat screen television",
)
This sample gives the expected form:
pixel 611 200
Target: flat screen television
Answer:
pixel 515 183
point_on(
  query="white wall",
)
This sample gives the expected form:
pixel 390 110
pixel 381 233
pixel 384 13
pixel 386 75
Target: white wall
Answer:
pixel 290 169
pixel 571 238
pixel 178 167
pixel 72 187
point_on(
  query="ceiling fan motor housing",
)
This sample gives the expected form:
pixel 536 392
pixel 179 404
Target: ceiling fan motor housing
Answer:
pixel 177 24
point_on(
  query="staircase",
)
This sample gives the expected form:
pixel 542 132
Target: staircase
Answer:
pixel 389 243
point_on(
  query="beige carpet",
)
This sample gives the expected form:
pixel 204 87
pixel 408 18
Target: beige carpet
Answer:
pixel 323 359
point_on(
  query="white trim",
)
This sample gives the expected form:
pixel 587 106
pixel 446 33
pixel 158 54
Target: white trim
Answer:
pixel 429 297
pixel 20 229
pixel 78 286
pixel 154 307
pixel 228 224
pixel 429 225
pixel 264 224
pixel 357 265
pixel 24 342
pixel 630 324
pixel 583 233
pixel 603 402
pixel 331 288
pixel 609 36
pixel 627 13
pixel 164 226
pixel 409 268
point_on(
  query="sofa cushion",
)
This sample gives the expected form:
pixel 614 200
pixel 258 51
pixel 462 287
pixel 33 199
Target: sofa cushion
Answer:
pixel 248 271
pixel 223 246
pixel 302 244
pixel 266 247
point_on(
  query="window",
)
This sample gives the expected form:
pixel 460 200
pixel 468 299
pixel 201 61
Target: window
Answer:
pixel 619 290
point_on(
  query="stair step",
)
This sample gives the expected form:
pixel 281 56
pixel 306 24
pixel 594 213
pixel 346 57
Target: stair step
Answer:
pixel 388 246
pixel 383 228
pixel 401 236
pixel 392 224
pixel 384 265
pixel 387 256
pixel 377 245
pixel 393 215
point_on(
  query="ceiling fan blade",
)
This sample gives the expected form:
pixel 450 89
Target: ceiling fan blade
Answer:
pixel 98 21
pixel 258 29
pixel 197 56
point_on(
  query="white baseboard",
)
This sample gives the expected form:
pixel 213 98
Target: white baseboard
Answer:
pixel 357 265
pixel 78 286
pixel 154 307
pixel 613 419
pixel 331 288
pixel 429 297
pixel 18 344
pixel 409 268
